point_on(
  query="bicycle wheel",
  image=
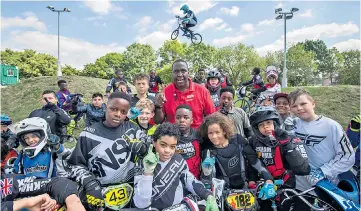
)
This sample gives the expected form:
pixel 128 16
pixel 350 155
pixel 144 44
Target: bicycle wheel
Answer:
pixel 196 38
pixel 243 104
pixel 175 34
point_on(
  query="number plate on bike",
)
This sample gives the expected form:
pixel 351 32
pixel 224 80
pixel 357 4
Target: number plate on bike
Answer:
pixel 117 196
pixel 240 200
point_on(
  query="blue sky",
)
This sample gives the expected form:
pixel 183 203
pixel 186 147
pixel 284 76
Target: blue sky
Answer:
pixel 94 28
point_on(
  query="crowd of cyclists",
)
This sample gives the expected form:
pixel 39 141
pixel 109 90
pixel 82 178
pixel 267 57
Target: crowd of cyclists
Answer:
pixel 165 141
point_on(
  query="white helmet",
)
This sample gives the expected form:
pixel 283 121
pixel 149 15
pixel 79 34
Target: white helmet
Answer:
pixel 29 125
pixel 271 70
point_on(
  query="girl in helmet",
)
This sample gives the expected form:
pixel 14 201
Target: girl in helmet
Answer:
pixel 272 87
pixel 275 149
pixel 189 20
pixel 35 166
pixel 39 149
pixel 214 87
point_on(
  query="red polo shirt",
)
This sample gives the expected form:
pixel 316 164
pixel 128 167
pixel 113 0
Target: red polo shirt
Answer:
pixel 197 97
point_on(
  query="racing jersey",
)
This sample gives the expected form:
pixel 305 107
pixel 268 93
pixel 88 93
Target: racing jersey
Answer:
pixel 106 153
pixel 216 95
pixel 167 185
pixel 327 148
pixel 189 148
pixel 196 96
pixel 154 84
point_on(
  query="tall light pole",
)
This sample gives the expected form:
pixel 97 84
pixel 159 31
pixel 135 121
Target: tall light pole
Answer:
pixel 59 73
pixel 286 16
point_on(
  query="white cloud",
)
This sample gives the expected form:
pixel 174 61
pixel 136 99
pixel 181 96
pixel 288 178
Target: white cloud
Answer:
pixel 93 18
pixel 351 44
pixel 266 22
pixel 210 23
pixel 144 23
pixel 155 39
pixel 196 6
pixel 232 12
pixel 72 51
pixel 30 21
pixel 247 27
pixel 168 26
pixel 279 5
pixel 314 32
pixel 231 40
pixel 102 7
pixel 229 29
pixel 306 14
pixel 223 26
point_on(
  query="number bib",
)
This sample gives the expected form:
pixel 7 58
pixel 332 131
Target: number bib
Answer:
pixel 117 196
pixel 241 200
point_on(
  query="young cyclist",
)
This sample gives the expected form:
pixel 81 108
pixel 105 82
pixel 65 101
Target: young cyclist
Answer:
pixel 141 83
pixel 353 133
pixel 224 79
pixel 189 144
pixel 328 149
pixel 155 82
pixel 272 87
pixel 36 163
pixel 6 151
pixel 146 108
pixel 63 96
pixel 200 78
pixel 189 20
pixel 276 150
pixel 258 85
pixel 217 132
pixel 166 175
pixel 95 112
pixel 114 83
pixel 237 115
pixel 214 86
pixel 105 151
pixel 282 105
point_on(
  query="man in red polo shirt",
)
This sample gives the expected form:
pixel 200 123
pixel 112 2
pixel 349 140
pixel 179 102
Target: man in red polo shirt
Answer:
pixel 183 91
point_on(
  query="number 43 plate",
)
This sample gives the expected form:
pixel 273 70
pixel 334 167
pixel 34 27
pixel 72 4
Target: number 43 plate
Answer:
pixel 240 200
pixel 117 196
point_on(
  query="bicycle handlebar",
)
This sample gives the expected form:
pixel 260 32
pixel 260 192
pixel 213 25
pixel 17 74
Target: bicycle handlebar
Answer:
pixel 299 195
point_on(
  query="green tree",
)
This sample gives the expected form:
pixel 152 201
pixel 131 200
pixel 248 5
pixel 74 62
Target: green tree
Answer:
pixel 170 51
pixel 69 70
pixel 138 58
pixel 301 65
pixel 237 61
pixel 165 73
pixel 350 73
pixel 335 63
pixel 199 56
pixel 104 66
pixel 322 53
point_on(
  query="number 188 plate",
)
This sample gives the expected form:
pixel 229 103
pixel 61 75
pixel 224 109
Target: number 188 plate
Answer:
pixel 240 200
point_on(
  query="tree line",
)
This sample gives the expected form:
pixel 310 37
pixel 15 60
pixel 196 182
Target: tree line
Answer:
pixel 308 63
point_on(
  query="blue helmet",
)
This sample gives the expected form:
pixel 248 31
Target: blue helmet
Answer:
pixel 5 119
pixel 185 8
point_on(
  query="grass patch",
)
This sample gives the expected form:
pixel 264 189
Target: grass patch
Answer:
pixel 339 103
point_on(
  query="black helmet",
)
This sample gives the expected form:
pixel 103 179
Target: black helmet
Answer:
pixel 214 74
pixel 262 114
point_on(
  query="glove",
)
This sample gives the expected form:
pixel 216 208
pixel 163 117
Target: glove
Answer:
pixel 355 123
pixel 134 112
pixel 207 165
pixel 93 194
pixel 13 142
pixel 211 204
pixel 289 123
pixel 150 161
pixel 54 142
pixel 51 106
pixel 224 110
pixel 267 191
pixel 315 176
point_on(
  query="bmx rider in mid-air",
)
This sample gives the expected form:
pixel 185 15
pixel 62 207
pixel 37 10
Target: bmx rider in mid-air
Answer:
pixel 189 20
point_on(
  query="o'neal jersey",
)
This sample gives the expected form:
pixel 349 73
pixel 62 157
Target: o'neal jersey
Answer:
pixel 105 153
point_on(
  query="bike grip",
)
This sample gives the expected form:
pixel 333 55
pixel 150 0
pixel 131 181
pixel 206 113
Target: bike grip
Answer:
pixel 278 182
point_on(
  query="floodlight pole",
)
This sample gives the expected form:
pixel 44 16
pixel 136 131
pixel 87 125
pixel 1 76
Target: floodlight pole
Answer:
pixel 59 73
pixel 285 16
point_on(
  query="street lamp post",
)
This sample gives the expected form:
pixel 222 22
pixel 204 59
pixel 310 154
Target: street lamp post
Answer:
pixel 286 16
pixel 59 73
